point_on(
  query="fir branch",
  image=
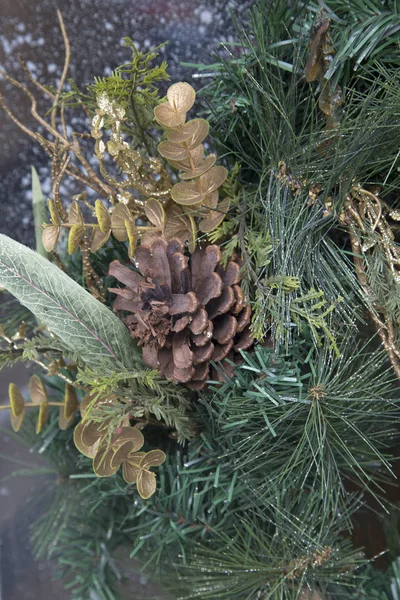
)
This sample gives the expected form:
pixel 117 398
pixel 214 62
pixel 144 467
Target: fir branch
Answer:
pixel 139 393
pixel 317 420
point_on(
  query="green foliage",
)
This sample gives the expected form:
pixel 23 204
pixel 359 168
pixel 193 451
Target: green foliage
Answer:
pixel 84 325
pixel 263 111
pixel 140 393
pixel 291 270
pixel 254 503
pixel 294 559
pixel 324 419
pixel 363 33
pixel 133 85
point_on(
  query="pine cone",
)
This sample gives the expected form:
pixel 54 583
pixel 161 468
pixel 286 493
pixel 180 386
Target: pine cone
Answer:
pixel 186 312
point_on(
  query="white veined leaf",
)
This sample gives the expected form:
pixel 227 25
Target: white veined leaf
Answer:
pixel 83 323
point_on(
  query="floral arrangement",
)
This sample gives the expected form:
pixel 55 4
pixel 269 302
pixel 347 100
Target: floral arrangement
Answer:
pixel 219 334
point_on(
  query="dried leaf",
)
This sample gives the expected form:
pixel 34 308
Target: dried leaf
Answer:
pixel 154 458
pixel 69 408
pixel 50 236
pixel 118 217
pixel 155 213
pixel 102 216
pixel 181 96
pixel 87 438
pixel 213 179
pixel 99 239
pixel 74 238
pixel 201 168
pixel 54 214
pixel 17 404
pixel 102 462
pixel 215 217
pixel 192 133
pixel 168 117
pixel 172 151
pixel 74 213
pixel 37 390
pixel 129 434
pixel 132 236
pixel 196 155
pixel 43 417
pixel 131 468
pixel 146 484
pixel 186 193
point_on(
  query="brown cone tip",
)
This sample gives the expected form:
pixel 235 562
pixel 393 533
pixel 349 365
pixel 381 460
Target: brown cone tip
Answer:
pixel 185 311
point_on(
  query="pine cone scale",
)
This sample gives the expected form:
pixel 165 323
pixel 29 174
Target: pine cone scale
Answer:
pixel 199 322
pixel 185 311
pixel 203 353
pixel 210 288
pixel 183 303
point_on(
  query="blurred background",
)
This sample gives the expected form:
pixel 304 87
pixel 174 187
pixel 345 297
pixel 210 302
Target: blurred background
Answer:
pixel 194 30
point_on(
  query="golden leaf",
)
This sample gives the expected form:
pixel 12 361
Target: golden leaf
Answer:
pixel 213 179
pixel 215 217
pixel 37 390
pixel 87 438
pixel 109 457
pixel 17 404
pixel 69 408
pixel 154 458
pixel 155 213
pixel 146 484
pixel 118 217
pixel 136 470
pixel 43 417
pixel 99 239
pixel 193 234
pixel 167 117
pixel 178 223
pixel 132 236
pixel 74 238
pixel 211 200
pixel 131 467
pixel 172 151
pixel 54 214
pixel 192 133
pixel 201 168
pixel 171 114
pixel 102 462
pixel 181 96
pixel 196 155
pixel 50 236
pixel 102 216
pixel 128 434
pixel 186 193
pixel 74 213
pixel 121 453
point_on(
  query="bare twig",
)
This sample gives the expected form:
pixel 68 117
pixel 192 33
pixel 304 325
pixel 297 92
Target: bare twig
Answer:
pixel 35 82
pixel 67 58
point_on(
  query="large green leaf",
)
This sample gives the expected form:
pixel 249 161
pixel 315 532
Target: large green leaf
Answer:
pixel 85 325
pixel 39 212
